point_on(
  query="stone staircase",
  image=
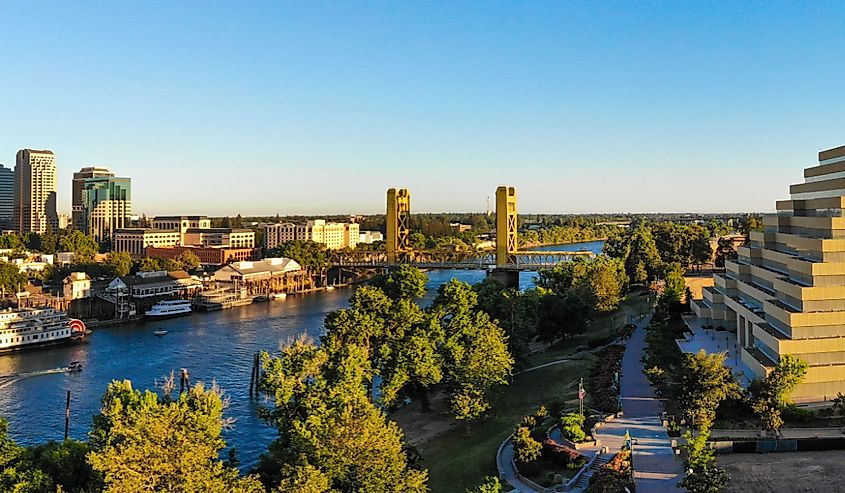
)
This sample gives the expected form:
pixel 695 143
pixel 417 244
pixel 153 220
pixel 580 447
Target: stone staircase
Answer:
pixel 584 480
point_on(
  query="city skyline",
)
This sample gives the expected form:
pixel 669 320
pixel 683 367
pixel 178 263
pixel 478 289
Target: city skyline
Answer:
pixel 571 104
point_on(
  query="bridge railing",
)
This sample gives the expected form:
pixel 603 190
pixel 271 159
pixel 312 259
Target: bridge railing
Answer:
pixel 438 259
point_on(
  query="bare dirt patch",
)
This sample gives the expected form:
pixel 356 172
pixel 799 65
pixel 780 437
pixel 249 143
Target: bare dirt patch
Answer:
pixel 421 427
pixel 799 472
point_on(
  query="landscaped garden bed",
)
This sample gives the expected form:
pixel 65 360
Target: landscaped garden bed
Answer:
pixel 603 385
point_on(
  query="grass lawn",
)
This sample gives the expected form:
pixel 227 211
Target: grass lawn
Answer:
pixel 600 329
pixel 457 461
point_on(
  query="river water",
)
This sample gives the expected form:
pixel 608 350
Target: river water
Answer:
pixel 213 346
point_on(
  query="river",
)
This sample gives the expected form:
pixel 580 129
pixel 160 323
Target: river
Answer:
pixel 213 346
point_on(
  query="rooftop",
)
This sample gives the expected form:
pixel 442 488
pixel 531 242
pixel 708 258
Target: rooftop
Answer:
pixel 218 230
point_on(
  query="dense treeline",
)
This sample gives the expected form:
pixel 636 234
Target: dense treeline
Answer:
pixel 650 249
pixel 553 235
pixel 565 300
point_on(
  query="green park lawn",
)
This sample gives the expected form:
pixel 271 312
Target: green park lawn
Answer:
pixel 457 459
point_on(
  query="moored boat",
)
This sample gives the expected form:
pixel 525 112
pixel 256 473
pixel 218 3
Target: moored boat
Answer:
pixel 160 332
pixel 169 309
pixel 25 328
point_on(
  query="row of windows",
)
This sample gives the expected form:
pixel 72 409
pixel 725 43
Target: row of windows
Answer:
pixel 10 340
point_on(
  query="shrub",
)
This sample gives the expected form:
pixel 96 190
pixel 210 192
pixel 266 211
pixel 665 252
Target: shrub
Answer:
pixel 525 448
pixel 614 476
pixel 799 414
pixel 542 413
pixel 572 427
pixel 563 456
pixel 529 422
pixel 602 383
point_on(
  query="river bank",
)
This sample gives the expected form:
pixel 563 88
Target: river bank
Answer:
pixel 582 245
pixel 215 346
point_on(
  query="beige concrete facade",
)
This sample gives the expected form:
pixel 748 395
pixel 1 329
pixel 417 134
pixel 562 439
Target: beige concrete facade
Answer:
pixel 334 235
pixel 136 240
pixel 35 192
pixel 785 293
pixel 219 237
pixel 181 224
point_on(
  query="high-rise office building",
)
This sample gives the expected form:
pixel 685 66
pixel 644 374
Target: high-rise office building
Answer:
pixel 7 196
pixel 76 211
pixel 35 191
pixel 106 206
pixel 785 292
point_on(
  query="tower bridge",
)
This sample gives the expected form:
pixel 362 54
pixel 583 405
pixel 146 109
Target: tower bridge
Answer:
pixel 505 262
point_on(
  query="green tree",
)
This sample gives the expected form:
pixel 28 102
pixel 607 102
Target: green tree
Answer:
pixel 329 431
pixel 83 245
pixel 120 263
pixel 143 443
pixel 787 374
pixel 703 382
pixel 475 351
pixel 638 250
pixel 10 241
pixel 11 278
pixel 703 475
pixel 188 260
pixel 311 256
pixel 406 282
pixel 770 397
pixel 490 484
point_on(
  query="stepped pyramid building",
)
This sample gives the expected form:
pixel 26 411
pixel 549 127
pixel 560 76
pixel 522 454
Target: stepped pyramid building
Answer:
pixel 785 293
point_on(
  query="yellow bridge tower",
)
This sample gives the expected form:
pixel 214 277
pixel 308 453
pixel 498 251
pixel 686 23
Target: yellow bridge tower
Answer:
pixel 398 224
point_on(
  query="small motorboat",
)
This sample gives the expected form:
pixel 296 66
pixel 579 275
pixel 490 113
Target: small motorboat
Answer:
pixel 74 366
pixel 160 332
pixel 278 296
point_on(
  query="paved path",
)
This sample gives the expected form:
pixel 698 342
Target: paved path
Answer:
pixel 656 468
pixel 507 472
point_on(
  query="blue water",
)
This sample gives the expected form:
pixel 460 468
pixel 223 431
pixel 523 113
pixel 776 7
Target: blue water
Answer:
pixel 215 346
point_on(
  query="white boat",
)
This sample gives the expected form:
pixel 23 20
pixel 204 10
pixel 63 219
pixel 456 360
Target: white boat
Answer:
pixel 169 309
pixel 278 296
pixel 31 327
pixel 160 332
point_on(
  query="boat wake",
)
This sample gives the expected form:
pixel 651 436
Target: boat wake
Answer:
pixel 6 380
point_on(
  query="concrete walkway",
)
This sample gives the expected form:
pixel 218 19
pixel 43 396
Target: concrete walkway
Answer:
pixel 507 472
pixel 656 469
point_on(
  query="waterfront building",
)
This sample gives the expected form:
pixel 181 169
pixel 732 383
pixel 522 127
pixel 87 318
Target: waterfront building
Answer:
pixel 785 291
pixel 7 196
pixel 276 234
pixel 77 210
pixel 334 235
pixel 256 270
pixel 211 255
pixel 219 237
pixel 77 285
pixel 156 284
pixel 370 237
pixel 106 206
pixel 136 240
pixel 35 192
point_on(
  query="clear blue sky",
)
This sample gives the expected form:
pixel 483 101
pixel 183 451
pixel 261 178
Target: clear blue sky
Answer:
pixel 312 107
